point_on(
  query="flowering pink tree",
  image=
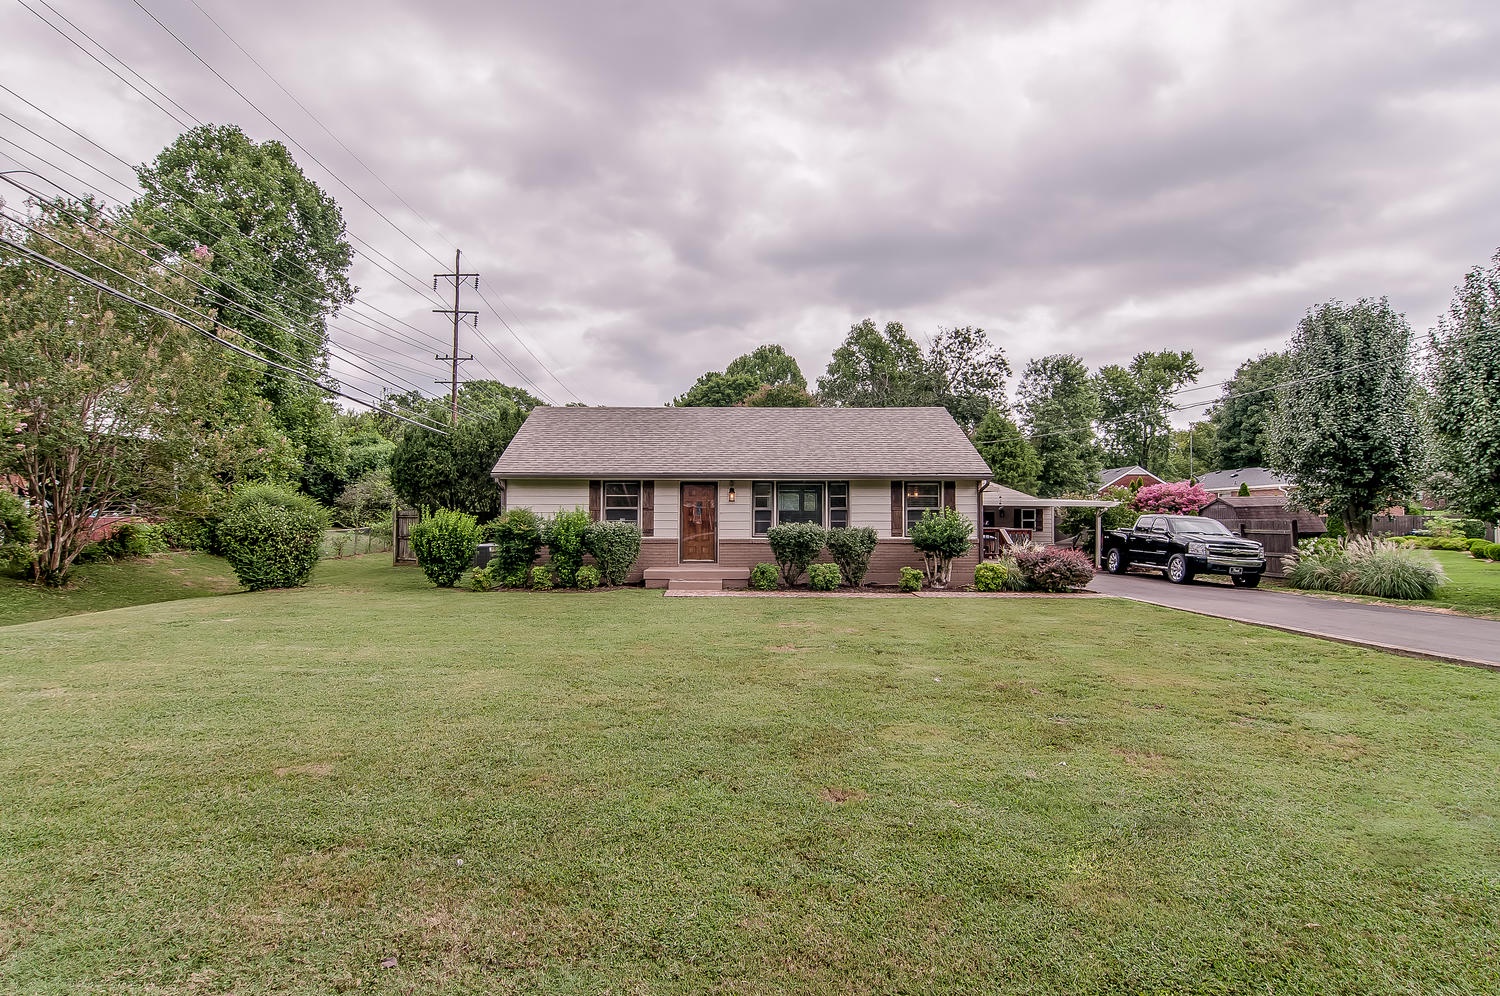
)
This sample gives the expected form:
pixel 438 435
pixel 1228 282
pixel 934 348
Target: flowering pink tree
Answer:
pixel 1183 498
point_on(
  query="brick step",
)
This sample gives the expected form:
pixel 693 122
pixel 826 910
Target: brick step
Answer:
pixel 684 584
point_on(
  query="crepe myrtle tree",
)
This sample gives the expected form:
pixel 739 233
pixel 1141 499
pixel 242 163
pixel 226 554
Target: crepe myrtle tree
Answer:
pixel 941 537
pixel 1183 498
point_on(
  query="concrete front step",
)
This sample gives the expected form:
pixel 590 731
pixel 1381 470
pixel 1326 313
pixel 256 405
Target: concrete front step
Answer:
pixel 718 577
pixel 683 584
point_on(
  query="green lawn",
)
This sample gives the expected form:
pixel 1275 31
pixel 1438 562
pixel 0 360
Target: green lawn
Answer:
pixel 1473 586
pixel 618 792
pixel 161 578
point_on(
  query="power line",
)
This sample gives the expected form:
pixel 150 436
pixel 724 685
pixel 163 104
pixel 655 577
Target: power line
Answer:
pixel 100 285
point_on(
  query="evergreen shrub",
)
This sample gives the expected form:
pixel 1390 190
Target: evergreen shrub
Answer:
pixel 851 548
pixel 444 543
pixel 271 536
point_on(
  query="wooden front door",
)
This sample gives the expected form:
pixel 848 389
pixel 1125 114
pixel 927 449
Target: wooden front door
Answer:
pixel 700 523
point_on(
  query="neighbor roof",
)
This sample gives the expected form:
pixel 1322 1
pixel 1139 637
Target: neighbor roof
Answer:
pixel 740 442
pixel 1001 496
pixel 1110 476
pixel 1254 477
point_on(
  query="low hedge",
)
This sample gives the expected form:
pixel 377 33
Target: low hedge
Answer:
pixel 824 577
pixel 765 577
pixel 1054 568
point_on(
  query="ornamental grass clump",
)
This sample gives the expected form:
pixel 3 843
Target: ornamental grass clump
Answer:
pixel 444 543
pixel 795 545
pixel 851 548
pixel 941 537
pixel 272 536
pixel 1370 567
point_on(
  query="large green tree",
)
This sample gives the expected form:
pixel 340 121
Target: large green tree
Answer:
pixel 1013 461
pixel 1058 406
pixel 1242 416
pixel 970 371
pixel 1465 409
pixel 766 377
pixel 1135 403
pixel 878 368
pixel 1345 430
pixel 770 365
pixel 120 406
pixel 1193 451
pixel 451 469
pixel 270 249
pixel 717 390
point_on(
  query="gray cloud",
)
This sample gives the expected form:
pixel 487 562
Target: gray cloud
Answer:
pixel 657 187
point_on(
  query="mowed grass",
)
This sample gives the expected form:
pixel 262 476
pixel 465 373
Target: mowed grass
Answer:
pixel 92 587
pixel 1473 586
pixel 372 784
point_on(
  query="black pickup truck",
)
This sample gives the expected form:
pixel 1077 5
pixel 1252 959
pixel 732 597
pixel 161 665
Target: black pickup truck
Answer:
pixel 1182 546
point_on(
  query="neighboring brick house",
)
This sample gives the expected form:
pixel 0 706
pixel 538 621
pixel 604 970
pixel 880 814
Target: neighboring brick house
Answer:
pixel 704 484
pixel 1262 483
pixel 1127 477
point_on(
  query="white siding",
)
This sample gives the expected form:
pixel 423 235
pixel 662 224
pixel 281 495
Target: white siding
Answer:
pixel 667 519
pixel 734 519
pixel 549 496
pixel 870 505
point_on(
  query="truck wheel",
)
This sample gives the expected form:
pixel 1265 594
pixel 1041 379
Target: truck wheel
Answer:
pixel 1177 570
pixel 1115 562
pixel 1246 580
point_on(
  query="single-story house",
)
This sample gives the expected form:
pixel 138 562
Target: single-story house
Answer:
pixel 705 484
pixel 1014 517
pixel 1269 520
pixel 1262 482
pixel 1127 477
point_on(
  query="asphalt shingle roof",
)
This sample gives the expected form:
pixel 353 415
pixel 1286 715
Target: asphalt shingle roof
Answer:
pixel 740 442
pixel 1255 477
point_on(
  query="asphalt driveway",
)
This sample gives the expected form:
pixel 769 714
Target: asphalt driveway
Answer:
pixel 1440 635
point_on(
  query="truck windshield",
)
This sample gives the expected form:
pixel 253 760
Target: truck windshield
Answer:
pixel 1205 527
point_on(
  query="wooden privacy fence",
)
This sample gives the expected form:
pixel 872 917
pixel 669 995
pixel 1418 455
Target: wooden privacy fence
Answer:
pixel 1277 536
pixel 401 552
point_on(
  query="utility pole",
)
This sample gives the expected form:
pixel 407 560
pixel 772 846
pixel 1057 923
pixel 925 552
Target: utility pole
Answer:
pixel 459 278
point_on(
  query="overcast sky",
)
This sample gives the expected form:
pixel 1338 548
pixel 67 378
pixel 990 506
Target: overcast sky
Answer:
pixel 654 188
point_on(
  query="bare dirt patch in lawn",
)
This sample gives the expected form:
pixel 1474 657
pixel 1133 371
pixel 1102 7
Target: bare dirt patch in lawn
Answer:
pixel 837 795
pixel 321 769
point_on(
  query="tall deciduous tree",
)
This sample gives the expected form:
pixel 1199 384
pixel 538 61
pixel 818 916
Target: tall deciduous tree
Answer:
pixel 1134 406
pixel 121 406
pixel 276 266
pixel 970 371
pixel 717 390
pixel 770 365
pixel 878 368
pixel 1013 461
pixel 1465 408
pixel 432 470
pixel 1345 430
pixel 1058 404
pixel 1242 417
pixel 766 377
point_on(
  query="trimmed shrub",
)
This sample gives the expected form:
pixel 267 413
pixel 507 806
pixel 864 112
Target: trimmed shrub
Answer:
pixel 824 577
pixel 563 534
pixel 796 545
pixel 940 536
pixel 992 576
pixel 1476 547
pixel 17 531
pixel 1244 491
pixel 765 577
pixel 1054 568
pixel 541 578
pixel 1372 567
pixel 444 543
pixel 911 579
pixel 1492 551
pixel 1457 543
pixel 615 546
pixel 515 577
pixel 851 548
pixel 272 536
pixel 517 536
pixel 589 577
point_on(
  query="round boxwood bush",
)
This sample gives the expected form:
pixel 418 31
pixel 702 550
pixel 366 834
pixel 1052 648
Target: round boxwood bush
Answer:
pixel 541 578
pixel 765 577
pixel 271 536
pixel 444 543
pixel 990 576
pixel 589 577
pixel 911 579
pixel 824 577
